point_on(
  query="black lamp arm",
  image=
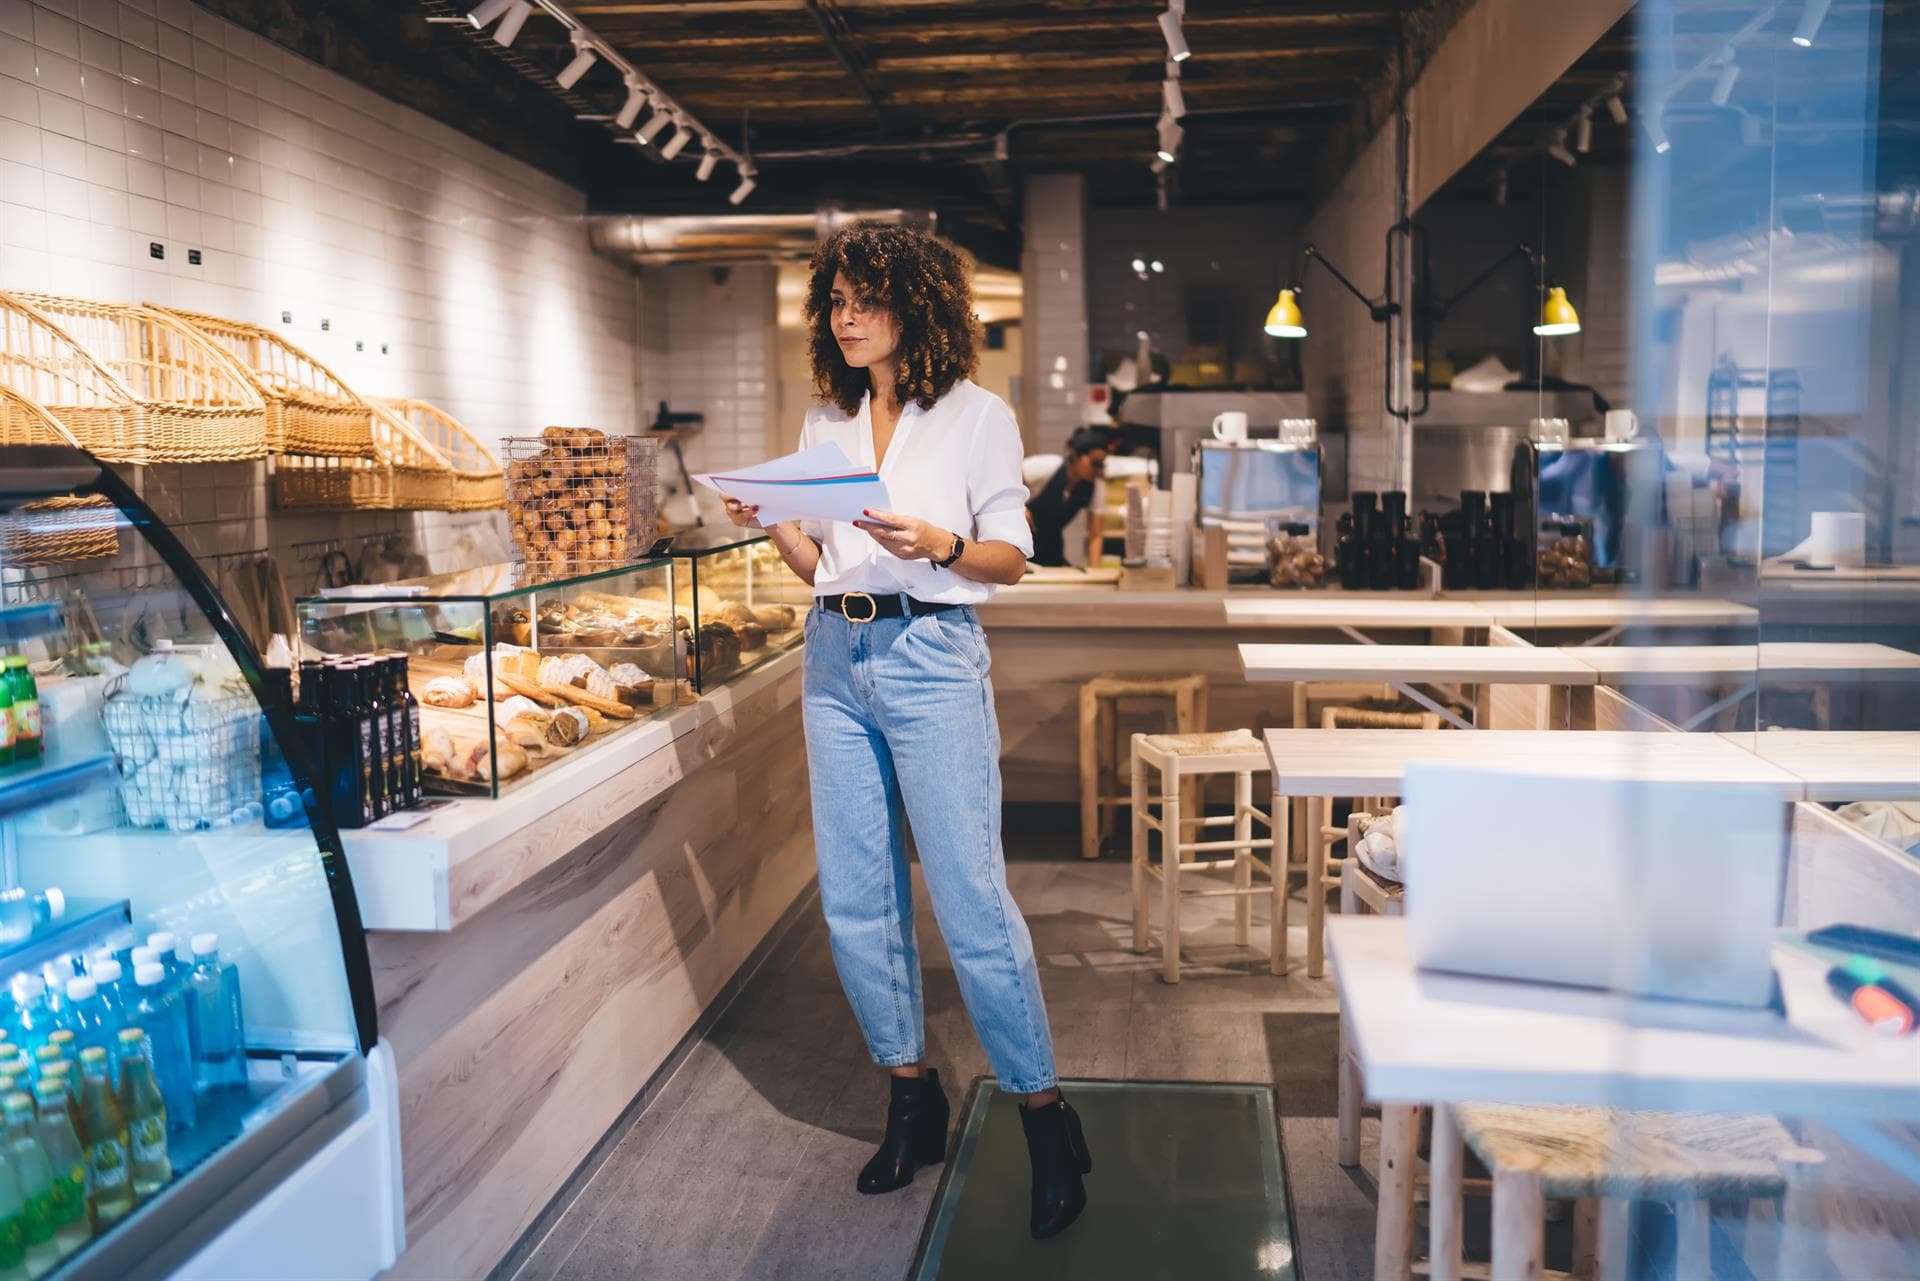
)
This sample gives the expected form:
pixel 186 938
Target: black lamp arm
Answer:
pixel 1379 309
pixel 1439 310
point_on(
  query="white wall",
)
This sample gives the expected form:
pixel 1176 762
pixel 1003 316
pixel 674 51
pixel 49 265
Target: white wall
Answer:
pixel 126 122
pixel 1053 328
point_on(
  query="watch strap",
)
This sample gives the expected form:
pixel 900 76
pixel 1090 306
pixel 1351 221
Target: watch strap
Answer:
pixel 959 549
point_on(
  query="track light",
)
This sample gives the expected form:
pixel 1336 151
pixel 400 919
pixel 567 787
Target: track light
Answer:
pixel 1140 265
pixel 1558 149
pixel 1170 135
pixel 1657 133
pixel 662 117
pixel 708 163
pixel 1583 131
pixel 682 135
pixel 1159 165
pixel 1810 19
pixel 1172 101
pixel 746 186
pixel 1617 108
pixel 1157 267
pixel 630 110
pixel 1723 85
pixel 1170 28
pixel 509 29
pixel 583 59
pixel 484 14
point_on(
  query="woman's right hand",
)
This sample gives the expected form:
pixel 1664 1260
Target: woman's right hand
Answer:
pixel 745 515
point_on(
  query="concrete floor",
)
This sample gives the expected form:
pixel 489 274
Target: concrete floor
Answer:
pixel 743 1165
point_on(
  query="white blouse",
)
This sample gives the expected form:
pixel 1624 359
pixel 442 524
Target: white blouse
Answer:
pixel 956 465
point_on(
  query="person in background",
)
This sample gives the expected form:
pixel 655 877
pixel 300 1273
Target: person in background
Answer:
pixel 1066 493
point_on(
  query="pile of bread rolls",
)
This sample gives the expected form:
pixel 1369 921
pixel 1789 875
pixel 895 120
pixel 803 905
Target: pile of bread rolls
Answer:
pixel 570 499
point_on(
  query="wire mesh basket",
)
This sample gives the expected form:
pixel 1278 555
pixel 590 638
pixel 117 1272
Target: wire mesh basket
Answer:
pixel 580 500
pixel 187 763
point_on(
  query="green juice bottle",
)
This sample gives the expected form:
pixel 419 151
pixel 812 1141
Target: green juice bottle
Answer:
pixel 72 1226
pixel 145 1109
pixel 13 1234
pixel 104 1131
pixel 25 711
pixel 30 1166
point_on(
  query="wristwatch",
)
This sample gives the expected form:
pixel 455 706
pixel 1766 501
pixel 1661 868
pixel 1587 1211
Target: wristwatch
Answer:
pixel 959 546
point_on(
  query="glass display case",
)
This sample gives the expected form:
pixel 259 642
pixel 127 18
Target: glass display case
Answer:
pixel 514 673
pixel 743 604
pixel 189 1010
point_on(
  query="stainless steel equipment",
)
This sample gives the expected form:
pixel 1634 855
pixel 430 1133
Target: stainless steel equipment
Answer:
pixel 1185 418
pixel 1466 439
pixel 1608 496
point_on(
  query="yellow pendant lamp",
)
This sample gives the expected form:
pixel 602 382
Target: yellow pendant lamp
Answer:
pixel 1557 316
pixel 1283 318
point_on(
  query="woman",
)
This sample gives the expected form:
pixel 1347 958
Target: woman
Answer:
pixel 898 708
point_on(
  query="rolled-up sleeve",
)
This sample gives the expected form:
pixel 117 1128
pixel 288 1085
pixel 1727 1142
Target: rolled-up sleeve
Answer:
pixel 995 493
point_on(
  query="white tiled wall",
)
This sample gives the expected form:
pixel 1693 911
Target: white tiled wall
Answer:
pixel 709 344
pixel 410 258
pixel 1054 318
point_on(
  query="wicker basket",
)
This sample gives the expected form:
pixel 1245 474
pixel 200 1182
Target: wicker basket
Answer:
pixel 129 384
pixel 476 482
pixel 309 410
pixel 51 531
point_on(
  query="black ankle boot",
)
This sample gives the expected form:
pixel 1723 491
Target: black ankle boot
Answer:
pixel 1059 1153
pixel 916 1134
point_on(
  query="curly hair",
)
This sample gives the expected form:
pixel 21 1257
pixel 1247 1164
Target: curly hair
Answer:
pixel 925 284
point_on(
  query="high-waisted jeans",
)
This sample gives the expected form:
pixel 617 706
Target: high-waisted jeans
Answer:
pixel 900 728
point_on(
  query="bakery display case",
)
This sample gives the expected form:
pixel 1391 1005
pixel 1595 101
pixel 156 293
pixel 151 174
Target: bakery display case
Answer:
pixel 742 604
pixel 188 1026
pixel 514 673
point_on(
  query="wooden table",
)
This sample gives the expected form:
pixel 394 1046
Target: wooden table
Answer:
pixel 1745 666
pixel 1617 613
pixel 1404 666
pixel 1320 764
pixel 1352 614
pixel 1838 766
pixel 1422 1039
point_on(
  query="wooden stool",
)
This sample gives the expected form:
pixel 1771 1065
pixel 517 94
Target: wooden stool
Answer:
pixel 1360 890
pixel 1178 758
pixel 1100 738
pixel 1606 1158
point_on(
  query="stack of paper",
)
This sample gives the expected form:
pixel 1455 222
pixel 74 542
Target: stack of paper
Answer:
pixel 821 483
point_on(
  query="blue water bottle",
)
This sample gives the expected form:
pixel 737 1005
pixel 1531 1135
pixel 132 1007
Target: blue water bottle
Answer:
pixel 219 1032
pixel 160 1016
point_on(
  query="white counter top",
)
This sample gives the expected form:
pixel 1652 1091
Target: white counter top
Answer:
pixel 1843 765
pixel 1424 664
pixel 470 852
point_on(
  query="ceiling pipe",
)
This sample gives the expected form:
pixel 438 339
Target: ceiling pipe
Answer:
pixel 650 240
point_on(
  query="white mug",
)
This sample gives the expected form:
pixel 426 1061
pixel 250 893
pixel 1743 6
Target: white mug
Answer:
pixel 1622 425
pixel 1230 426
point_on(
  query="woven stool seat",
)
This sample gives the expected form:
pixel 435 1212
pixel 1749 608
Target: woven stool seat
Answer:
pixel 1367 718
pixel 1217 743
pixel 1606 1152
pixel 1144 684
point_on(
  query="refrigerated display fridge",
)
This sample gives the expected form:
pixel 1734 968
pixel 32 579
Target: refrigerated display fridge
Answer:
pixel 166 866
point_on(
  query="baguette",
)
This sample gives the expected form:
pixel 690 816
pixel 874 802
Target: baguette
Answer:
pixel 544 695
pixel 605 706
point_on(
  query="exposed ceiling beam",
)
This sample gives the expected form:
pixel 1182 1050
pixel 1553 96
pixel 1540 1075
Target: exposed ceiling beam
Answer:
pixel 833 27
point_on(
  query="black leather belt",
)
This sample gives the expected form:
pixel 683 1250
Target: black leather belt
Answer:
pixel 859 607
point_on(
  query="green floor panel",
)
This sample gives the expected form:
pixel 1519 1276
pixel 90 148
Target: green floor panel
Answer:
pixel 1186 1184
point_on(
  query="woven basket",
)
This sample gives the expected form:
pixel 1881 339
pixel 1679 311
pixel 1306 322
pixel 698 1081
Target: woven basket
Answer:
pixel 51 531
pixel 309 410
pixel 129 384
pixel 405 473
pixel 475 482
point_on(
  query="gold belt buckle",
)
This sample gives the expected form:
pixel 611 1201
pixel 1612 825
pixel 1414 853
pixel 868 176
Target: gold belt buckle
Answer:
pixel 873 607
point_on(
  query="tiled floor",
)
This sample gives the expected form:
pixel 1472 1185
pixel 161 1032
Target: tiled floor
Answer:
pixel 744 1165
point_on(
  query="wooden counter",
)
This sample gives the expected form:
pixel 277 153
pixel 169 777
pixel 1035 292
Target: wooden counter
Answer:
pixel 588 920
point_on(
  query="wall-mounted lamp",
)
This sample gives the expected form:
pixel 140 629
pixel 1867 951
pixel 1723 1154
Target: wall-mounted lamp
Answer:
pixel 1557 316
pixel 1284 319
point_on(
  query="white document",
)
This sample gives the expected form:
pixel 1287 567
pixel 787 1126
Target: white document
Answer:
pixel 821 483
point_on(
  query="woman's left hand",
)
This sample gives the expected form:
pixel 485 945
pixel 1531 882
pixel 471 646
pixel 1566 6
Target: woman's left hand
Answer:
pixel 907 537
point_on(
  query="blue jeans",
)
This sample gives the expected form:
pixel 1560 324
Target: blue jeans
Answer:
pixel 900 727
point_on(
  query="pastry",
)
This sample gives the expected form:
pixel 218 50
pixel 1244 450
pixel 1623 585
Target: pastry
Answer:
pixel 605 706
pixel 568 726
pixel 436 747
pixel 448 691
pixel 528 731
pixel 531 689
pixel 752 635
pixel 775 618
pixel 631 685
pixel 518 705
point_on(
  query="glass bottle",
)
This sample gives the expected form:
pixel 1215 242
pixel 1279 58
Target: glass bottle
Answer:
pixel 400 695
pixel 1346 554
pixel 25 709
pixel 30 1166
pixel 161 1015
pixel 145 1110
pixel 1474 530
pixel 371 688
pixel 72 1226
pixel 32 1020
pixel 13 1228
pixel 104 1130
pixel 220 1060
pixel 348 738
pixel 6 724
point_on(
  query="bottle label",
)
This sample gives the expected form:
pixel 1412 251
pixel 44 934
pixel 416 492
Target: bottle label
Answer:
pixel 109 1161
pixel 70 1196
pixel 6 731
pixel 13 1242
pixel 26 720
pixel 149 1139
pixel 36 1219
